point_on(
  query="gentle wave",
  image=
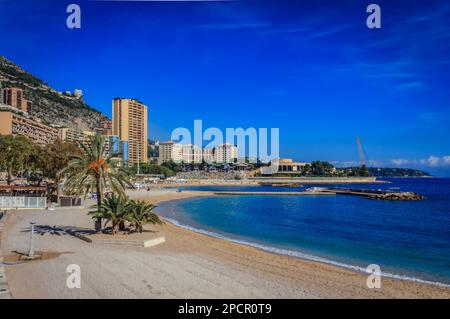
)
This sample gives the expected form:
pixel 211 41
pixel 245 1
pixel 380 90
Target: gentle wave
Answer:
pixel 297 254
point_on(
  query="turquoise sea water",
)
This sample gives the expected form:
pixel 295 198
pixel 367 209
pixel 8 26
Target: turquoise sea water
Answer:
pixel 407 239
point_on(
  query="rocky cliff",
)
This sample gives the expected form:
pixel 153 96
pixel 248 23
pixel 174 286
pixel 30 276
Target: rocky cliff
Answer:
pixel 52 107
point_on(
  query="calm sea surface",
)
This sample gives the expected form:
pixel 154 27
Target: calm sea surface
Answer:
pixel 405 238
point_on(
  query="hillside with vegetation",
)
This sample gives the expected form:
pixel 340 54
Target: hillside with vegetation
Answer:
pixel 326 169
pixel 397 172
pixel 383 172
pixel 52 107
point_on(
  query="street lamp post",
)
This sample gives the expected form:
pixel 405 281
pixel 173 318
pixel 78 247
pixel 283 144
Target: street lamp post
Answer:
pixel 31 251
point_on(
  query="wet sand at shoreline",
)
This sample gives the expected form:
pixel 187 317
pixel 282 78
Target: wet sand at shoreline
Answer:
pixel 187 265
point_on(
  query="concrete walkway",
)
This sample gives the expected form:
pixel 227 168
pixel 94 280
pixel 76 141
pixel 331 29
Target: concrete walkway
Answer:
pixel 4 289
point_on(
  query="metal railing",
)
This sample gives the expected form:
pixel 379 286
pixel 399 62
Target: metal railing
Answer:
pixel 22 202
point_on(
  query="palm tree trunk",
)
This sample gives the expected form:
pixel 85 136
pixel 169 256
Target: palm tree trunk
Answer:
pixel 57 180
pixel 9 180
pixel 115 228
pixel 98 221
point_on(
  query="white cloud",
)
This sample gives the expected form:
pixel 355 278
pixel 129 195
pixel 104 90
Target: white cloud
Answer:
pixel 400 161
pixel 446 160
pixel 374 163
pixel 431 161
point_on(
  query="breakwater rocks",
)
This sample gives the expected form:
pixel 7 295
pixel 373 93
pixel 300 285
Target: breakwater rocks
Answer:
pixel 296 185
pixel 398 196
pixel 373 194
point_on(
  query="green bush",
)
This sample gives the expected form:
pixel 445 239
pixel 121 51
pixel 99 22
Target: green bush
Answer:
pixel 153 169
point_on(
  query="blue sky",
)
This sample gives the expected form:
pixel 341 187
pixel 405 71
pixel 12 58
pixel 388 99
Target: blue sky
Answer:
pixel 311 68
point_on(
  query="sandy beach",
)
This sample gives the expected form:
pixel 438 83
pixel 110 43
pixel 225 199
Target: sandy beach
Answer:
pixel 187 265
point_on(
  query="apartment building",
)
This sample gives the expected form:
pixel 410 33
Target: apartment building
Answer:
pixel 129 124
pixel 170 151
pixel 12 123
pixel 191 154
pixel 104 128
pixel 14 97
pixel 208 155
pixel 179 153
pixel 117 148
pixel 225 153
pixel 188 153
pixel 75 136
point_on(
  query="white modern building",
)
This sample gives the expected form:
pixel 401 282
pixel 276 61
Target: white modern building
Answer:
pixel 283 166
pixel 78 94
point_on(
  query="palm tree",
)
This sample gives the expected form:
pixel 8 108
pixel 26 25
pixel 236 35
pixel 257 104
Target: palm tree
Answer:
pixel 141 213
pixel 114 209
pixel 96 170
pixel 54 157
